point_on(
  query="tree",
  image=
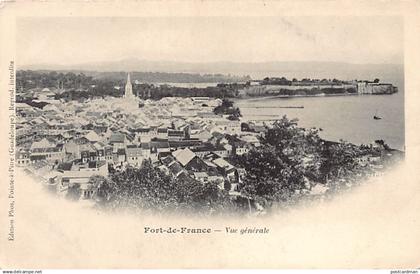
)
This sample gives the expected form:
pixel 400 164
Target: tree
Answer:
pixel 340 163
pixel 147 188
pixel 269 177
pixel 102 187
pixel 287 156
pixel 227 108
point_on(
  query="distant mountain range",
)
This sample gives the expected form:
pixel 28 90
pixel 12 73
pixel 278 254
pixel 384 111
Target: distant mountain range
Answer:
pixel 340 70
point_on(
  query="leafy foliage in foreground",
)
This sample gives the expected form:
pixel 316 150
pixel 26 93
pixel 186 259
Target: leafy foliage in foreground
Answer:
pixel 147 188
pixel 291 160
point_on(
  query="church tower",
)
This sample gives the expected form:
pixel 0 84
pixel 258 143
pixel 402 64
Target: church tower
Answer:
pixel 128 89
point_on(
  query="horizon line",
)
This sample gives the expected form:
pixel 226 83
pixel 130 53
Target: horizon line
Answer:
pixel 208 62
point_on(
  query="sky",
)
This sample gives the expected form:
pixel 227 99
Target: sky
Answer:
pixel 78 40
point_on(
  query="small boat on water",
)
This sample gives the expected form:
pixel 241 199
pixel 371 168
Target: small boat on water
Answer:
pixel 376 116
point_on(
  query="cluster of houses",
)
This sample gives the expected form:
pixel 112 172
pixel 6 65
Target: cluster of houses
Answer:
pixel 65 144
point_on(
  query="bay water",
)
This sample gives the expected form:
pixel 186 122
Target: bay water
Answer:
pixel 348 118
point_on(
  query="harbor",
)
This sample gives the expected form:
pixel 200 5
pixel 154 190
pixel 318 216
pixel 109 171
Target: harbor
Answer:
pixel 342 117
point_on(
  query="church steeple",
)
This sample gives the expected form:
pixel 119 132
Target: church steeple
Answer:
pixel 128 88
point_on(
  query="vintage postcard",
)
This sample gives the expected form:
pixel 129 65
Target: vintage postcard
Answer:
pixel 207 134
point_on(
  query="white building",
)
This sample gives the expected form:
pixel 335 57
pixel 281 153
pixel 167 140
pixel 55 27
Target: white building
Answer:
pixel 129 95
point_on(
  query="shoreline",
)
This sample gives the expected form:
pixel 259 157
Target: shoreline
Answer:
pixel 256 98
pixel 255 110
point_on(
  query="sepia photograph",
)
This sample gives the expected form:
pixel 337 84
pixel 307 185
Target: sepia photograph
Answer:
pixel 158 117
pixel 142 131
